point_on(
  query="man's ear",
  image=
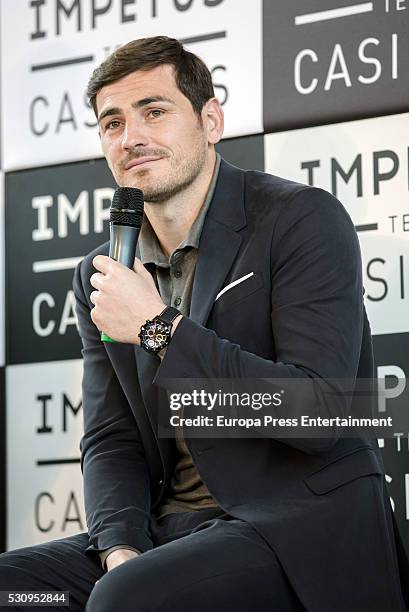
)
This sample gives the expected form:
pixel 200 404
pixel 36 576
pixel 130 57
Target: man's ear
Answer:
pixel 213 118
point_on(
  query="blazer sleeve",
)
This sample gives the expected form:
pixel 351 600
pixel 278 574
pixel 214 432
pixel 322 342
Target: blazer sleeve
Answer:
pixel 316 318
pixel 115 474
pixel 104 555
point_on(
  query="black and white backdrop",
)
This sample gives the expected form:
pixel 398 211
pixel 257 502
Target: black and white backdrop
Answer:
pixel 315 91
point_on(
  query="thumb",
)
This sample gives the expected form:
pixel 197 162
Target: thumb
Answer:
pixel 139 268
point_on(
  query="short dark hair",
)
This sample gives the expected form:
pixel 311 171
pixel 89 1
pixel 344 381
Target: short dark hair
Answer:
pixel 191 74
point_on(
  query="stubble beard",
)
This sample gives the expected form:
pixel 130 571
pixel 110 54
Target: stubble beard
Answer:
pixel 181 175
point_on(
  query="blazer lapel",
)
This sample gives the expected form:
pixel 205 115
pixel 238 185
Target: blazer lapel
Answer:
pixel 220 246
pixel 219 241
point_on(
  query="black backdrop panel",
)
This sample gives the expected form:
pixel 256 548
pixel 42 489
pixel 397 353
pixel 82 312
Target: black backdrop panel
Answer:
pixel 246 152
pixel 39 311
pixel 3 500
pixel 337 68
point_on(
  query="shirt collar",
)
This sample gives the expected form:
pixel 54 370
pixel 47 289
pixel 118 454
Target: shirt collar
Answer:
pixel 149 247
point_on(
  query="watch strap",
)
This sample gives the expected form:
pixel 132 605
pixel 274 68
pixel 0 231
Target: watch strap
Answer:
pixel 168 315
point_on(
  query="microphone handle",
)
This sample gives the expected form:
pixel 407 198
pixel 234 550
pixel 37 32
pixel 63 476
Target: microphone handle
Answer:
pixel 122 247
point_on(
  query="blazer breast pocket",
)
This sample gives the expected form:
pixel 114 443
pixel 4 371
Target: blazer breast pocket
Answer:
pixel 237 290
pixel 363 462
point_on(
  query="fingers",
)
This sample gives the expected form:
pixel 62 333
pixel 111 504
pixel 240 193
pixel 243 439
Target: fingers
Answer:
pixel 103 263
pixel 96 280
pixel 107 265
pixel 94 297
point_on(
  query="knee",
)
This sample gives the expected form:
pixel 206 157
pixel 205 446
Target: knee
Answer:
pixel 117 592
pixel 105 597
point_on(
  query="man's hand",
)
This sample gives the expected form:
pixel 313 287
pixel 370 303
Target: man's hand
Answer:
pixel 124 299
pixel 119 556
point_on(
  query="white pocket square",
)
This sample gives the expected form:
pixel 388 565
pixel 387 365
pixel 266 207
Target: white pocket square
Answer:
pixel 233 284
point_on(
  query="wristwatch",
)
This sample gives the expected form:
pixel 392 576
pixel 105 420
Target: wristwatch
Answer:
pixel 155 334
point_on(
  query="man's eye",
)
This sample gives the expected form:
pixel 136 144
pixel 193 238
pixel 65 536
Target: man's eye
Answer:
pixel 112 124
pixel 156 112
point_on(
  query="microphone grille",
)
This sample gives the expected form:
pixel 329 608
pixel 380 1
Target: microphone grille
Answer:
pixel 127 207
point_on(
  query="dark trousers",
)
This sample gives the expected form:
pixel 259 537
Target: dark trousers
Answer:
pixel 201 561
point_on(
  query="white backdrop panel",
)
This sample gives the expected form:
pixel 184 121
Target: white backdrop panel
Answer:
pixel 365 164
pixel 44 425
pixel 45 116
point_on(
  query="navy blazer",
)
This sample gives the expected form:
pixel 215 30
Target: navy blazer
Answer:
pixel 321 504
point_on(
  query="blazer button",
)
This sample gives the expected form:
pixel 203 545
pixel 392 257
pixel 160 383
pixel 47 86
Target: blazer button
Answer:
pixel 160 482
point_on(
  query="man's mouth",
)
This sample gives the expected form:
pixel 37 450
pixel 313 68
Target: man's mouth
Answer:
pixel 140 161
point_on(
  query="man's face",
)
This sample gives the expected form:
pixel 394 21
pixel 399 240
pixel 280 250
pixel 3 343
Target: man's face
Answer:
pixel 150 135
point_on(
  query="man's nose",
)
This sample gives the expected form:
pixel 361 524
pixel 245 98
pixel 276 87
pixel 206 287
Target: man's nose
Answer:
pixel 134 135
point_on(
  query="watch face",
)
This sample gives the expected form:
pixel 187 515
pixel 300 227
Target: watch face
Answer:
pixel 155 335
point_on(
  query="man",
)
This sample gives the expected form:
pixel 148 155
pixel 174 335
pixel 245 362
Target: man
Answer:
pixel 265 276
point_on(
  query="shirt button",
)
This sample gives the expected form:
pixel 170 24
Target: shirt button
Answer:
pixel 177 273
pixel 177 301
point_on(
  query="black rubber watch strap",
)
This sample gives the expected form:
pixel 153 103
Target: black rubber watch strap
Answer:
pixel 169 314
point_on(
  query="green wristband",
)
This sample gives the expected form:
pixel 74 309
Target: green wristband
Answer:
pixel 106 338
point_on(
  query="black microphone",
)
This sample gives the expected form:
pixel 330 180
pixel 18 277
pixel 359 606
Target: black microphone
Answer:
pixel 125 220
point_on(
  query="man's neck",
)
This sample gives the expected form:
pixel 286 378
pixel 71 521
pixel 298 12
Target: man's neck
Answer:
pixel 172 220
